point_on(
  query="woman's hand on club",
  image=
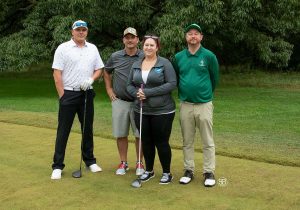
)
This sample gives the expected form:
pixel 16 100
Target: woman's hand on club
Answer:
pixel 141 95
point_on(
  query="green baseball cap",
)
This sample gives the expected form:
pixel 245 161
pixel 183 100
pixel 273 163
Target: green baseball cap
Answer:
pixel 193 26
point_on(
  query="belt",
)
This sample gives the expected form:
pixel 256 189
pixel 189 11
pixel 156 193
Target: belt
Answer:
pixel 75 89
pixel 128 100
pixel 186 102
pixel 191 103
pixel 72 89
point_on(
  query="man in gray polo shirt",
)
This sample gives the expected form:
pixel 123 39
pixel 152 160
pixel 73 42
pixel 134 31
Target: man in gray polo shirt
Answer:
pixel 116 74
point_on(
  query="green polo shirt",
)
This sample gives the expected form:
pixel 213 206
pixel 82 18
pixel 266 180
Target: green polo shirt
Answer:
pixel 198 75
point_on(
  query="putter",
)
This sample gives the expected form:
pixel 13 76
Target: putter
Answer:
pixel 78 173
pixel 137 182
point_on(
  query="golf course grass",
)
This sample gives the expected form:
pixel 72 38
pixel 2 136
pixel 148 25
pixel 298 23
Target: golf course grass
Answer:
pixel 257 123
pixel 26 154
pixel 256 131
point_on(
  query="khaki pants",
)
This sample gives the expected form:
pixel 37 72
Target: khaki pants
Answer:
pixel 199 116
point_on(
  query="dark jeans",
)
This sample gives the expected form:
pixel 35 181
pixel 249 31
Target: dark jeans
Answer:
pixel 156 130
pixel 70 104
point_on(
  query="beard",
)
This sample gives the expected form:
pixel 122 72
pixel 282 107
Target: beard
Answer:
pixel 193 41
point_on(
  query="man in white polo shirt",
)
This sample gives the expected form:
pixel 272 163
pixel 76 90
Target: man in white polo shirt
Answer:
pixel 76 65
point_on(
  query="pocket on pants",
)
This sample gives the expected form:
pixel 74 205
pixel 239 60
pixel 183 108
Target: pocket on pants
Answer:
pixel 62 97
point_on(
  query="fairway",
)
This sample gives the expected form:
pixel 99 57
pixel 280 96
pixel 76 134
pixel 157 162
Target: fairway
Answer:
pixel 256 123
pixel 26 157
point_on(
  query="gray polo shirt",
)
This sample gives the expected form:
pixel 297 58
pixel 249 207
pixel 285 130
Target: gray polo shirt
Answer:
pixel 120 64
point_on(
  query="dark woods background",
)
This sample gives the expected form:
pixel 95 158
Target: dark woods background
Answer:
pixel 245 33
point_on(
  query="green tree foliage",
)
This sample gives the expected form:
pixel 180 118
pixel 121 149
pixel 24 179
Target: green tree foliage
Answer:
pixel 263 28
pixel 178 14
pixel 12 14
pixel 252 32
pixel 244 32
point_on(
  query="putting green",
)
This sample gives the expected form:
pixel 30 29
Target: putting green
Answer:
pixel 26 157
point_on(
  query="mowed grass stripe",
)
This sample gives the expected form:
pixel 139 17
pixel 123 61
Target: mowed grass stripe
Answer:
pixel 273 146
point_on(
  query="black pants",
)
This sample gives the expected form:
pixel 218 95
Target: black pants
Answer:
pixel 156 130
pixel 70 103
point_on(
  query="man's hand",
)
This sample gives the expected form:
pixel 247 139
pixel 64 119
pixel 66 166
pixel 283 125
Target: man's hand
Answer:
pixel 57 75
pixel 111 94
pixel 86 84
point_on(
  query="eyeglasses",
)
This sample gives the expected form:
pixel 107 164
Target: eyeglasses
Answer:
pixel 150 36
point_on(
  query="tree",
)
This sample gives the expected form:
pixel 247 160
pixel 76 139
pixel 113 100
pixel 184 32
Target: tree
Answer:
pixel 241 32
pixel 49 24
pixel 253 32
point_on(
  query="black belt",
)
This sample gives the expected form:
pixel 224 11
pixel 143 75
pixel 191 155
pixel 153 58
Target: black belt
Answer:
pixel 128 100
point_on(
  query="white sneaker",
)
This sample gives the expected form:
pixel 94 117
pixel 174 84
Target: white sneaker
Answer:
pixel 123 167
pixel 209 179
pixel 187 177
pixel 95 168
pixel 209 182
pixel 56 174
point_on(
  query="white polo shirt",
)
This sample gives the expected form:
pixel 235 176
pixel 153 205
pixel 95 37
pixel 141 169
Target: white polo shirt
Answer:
pixel 77 64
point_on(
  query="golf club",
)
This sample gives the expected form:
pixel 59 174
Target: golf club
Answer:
pixel 137 182
pixel 78 173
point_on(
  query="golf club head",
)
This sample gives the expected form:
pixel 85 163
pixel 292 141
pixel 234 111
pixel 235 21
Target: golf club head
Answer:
pixel 136 183
pixel 77 174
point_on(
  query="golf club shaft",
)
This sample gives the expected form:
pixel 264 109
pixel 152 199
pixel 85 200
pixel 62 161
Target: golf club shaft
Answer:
pixel 137 182
pixel 83 127
pixel 141 118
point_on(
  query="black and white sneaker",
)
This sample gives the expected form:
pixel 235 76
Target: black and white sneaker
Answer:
pixel 146 176
pixel 209 179
pixel 187 177
pixel 166 178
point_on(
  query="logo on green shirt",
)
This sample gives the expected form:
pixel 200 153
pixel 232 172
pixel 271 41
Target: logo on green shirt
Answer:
pixel 202 63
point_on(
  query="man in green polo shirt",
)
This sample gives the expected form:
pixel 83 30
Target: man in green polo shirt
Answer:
pixel 198 74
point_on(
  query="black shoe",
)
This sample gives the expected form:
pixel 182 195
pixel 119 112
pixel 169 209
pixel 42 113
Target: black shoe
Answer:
pixel 166 178
pixel 187 177
pixel 146 176
pixel 209 179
